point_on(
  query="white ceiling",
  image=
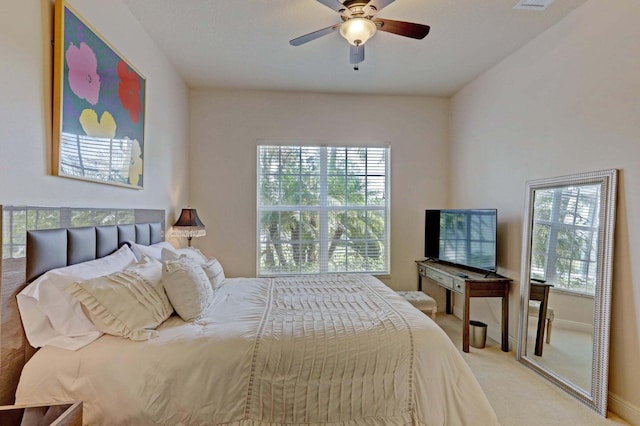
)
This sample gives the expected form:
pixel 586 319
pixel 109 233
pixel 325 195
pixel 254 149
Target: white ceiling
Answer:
pixel 245 44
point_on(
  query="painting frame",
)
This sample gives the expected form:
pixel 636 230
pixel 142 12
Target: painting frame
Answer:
pixel 99 106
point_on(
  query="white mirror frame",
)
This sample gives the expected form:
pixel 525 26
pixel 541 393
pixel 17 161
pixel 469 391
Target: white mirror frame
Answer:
pixel 596 397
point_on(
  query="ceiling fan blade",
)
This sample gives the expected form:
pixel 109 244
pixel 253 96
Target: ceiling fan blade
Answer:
pixel 314 35
pixel 406 29
pixel 333 4
pixel 356 55
pixel 379 4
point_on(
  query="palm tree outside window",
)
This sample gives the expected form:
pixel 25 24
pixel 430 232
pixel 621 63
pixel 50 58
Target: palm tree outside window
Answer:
pixel 565 237
pixel 322 209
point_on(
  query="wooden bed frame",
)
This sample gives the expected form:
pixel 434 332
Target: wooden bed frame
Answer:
pixel 15 350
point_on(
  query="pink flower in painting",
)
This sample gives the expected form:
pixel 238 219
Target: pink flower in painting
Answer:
pixel 83 76
pixel 129 91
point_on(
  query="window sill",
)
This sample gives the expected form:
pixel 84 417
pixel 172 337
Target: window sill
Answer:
pixel 571 292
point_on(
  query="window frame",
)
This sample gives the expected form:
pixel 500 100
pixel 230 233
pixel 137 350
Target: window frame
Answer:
pixel 324 209
pixel 554 227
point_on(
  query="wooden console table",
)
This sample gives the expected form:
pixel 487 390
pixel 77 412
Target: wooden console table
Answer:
pixel 468 284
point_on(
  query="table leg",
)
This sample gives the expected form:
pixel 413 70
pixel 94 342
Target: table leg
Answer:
pixel 539 333
pixel 542 318
pixel 505 319
pixel 465 321
pixel 449 306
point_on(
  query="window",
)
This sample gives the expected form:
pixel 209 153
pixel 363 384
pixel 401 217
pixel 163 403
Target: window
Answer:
pixel 565 237
pixel 322 210
pixel 17 220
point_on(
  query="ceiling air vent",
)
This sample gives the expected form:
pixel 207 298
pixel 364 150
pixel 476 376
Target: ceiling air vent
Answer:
pixel 533 4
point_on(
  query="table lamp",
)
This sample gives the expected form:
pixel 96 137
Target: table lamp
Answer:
pixel 189 225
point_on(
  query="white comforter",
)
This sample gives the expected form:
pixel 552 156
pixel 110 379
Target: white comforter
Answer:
pixel 333 350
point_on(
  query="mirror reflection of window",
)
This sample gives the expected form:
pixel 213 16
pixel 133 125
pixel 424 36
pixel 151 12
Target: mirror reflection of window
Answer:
pixel 468 237
pixel 16 220
pixel 565 237
pixel 103 159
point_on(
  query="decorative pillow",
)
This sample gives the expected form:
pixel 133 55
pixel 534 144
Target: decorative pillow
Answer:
pixel 150 270
pixel 130 304
pixel 190 252
pixel 214 272
pixel 212 267
pixel 51 316
pixel 154 250
pixel 188 288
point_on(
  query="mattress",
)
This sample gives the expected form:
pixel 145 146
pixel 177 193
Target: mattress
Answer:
pixel 337 349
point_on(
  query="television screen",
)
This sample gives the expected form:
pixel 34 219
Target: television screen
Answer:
pixel 463 237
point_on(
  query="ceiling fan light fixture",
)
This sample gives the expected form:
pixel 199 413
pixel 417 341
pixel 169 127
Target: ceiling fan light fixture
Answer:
pixel 358 30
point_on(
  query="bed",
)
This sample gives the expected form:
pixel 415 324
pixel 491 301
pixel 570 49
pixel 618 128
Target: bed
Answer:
pixel 336 349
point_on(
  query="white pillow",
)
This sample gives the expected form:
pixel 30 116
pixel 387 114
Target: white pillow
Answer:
pixel 154 250
pixel 214 272
pixel 51 316
pixel 130 304
pixel 212 267
pixel 188 288
pixel 190 252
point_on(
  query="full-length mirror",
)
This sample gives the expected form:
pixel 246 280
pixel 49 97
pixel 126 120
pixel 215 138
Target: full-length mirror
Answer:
pixel 566 282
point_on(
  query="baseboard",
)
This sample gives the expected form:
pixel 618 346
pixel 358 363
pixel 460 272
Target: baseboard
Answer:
pixel 572 325
pixel 616 405
pixel 623 409
pixel 457 312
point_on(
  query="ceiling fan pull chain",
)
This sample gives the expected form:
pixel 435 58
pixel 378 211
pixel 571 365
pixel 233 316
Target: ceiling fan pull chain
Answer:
pixel 357 62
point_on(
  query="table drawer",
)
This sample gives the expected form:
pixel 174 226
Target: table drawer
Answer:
pixel 436 276
pixel 458 285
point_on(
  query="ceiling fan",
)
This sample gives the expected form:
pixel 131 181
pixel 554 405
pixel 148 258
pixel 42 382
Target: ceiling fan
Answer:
pixel 359 24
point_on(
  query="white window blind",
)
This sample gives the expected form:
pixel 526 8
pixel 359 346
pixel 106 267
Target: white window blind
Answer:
pixel 96 158
pixel 565 237
pixel 322 210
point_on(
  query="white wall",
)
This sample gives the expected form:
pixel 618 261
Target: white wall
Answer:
pixel 568 102
pixel 225 126
pixel 572 308
pixel 26 75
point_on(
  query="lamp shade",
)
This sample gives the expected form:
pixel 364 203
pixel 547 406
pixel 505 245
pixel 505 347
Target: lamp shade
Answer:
pixel 358 30
pixel 189 225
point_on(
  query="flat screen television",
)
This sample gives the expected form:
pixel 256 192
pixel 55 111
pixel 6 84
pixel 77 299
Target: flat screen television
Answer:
pixel 462 237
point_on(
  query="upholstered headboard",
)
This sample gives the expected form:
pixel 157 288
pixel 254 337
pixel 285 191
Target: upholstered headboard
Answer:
pixel 29 252
pixel 54 248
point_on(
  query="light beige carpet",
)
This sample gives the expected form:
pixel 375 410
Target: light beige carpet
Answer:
pixel 569 353
pixel 518 395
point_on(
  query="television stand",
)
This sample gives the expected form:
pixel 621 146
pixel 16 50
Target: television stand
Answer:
pixel 467 283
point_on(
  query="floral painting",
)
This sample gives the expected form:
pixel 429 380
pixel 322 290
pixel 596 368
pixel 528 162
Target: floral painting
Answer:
pixel 99 107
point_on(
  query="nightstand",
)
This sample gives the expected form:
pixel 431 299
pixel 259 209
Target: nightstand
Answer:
pixel 57 414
